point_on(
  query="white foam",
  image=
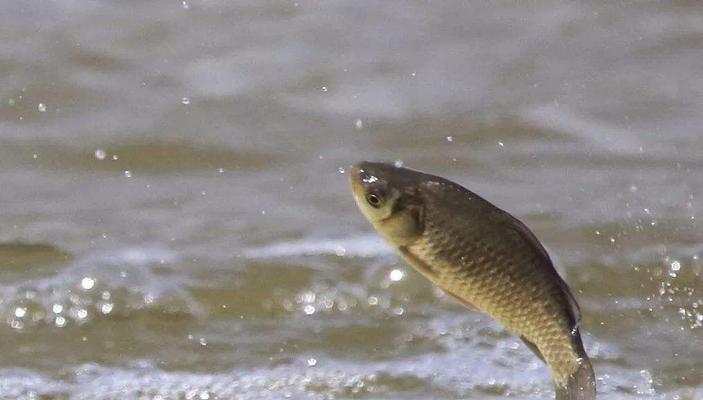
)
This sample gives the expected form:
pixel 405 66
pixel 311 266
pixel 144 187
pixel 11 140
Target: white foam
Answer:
pixel 366 246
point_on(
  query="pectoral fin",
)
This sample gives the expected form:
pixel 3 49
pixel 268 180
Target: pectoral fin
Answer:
pixel 532 347
pixel 461 301
pixel 417 263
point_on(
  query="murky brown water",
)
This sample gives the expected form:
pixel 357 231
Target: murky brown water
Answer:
pixel 175 221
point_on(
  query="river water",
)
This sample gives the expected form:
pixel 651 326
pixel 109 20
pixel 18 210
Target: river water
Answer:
pixel 175 220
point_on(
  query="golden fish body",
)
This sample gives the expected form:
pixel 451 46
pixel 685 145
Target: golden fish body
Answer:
pixel 482 256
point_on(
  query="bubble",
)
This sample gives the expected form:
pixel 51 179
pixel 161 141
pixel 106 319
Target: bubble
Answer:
pixel 185 100
pixel 358 124
pixel 60 322
pixel 340 170
pixel 82 313
pixel 127 174
pixel 87 283
pixel 312 362
pixel 324 88
pixel 675 266
pixel 396 275
pixel 57 308
pixel 100 154
pixel 373 300
pixel 185 6
pixel 450 138
pixel 41 107
pixel 398 163
pixel 309 309
pixel 107 308
pixel 340 251
pixel 203 341
pixel 501 144
pixel 20 312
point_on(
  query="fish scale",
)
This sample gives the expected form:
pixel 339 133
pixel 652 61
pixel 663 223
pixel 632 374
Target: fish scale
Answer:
pixel 488 282
pixel 483 257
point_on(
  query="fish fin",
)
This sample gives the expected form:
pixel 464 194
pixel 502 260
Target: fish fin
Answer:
pixel 581 385
pixel 416 262
pixel 532 347
pixel 461 301
pixel 526 233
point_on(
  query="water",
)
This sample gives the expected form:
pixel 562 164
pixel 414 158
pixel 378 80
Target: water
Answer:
pixel 176 222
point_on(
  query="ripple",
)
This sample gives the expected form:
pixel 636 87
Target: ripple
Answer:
pixel 103 284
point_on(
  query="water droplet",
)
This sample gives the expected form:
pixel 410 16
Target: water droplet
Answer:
pixel 100 154
pixel 396 275
pixel 128 174
pixel 186 100
pixel 87 283
pixel 358 124
pixel 41 107
pixel 312 362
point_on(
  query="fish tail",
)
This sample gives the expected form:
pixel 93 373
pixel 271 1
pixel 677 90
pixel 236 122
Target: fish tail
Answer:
pixel 581 385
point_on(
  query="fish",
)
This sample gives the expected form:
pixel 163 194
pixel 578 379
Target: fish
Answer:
pixel 482 256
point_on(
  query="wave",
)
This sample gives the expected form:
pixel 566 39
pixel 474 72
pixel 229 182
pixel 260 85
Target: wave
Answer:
pixel 365 246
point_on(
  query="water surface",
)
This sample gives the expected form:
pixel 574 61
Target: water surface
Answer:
pixel 176 223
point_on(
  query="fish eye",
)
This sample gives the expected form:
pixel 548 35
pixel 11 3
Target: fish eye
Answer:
pixel 374 200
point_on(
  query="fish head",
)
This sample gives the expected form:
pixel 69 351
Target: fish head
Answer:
pixel 388 197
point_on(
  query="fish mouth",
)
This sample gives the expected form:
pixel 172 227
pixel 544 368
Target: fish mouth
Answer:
pixel 356 178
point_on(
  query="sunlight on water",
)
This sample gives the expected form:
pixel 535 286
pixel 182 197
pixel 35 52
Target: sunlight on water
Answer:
pixel 176 216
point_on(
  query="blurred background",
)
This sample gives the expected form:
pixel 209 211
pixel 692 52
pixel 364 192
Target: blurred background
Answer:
pixel 175 221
